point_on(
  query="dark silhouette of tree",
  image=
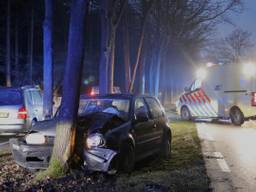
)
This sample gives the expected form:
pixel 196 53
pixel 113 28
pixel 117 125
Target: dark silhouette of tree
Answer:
pixel 48 60
pixel 230 49
pixel 8 45
pixel 64 145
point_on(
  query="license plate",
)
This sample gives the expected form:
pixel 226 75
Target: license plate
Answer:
pixel 4 115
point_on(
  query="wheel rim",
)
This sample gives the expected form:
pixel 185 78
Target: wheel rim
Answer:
pixel 185 114
pixel 236 116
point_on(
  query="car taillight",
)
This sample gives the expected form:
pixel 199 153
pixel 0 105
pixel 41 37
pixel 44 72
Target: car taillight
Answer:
pixel 22 113
pixel 253 101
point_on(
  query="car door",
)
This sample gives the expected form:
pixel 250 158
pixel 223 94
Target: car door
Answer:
pixel 157 115
pixel 142 129
pixel 37 104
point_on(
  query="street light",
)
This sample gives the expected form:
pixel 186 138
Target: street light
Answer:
pixel 249 70
pixel 201 73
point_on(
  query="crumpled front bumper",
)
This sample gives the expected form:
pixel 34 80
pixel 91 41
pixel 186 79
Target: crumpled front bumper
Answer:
pixel 32 157
pixel 35 157
pixel 99 159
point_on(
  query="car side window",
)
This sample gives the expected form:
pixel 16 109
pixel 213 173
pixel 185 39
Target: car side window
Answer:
pixel 154 108
pixel 28 97
pixel 37 99
pixel 140 107
pixel 197 84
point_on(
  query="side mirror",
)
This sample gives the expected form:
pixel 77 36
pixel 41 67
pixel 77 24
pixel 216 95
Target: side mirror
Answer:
pixel 141 116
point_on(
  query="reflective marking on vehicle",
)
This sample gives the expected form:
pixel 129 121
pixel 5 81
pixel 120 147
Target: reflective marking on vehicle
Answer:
pixel 206 110
pixel 192 107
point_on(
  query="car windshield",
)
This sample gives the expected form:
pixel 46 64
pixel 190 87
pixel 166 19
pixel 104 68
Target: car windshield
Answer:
pixel 10 97
pixel 119 107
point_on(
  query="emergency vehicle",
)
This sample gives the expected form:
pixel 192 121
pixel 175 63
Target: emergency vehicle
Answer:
pixel 221 92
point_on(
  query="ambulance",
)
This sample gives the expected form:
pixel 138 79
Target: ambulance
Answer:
pixel 221 92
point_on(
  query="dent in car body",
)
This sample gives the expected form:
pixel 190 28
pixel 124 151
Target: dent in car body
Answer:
pixel 99 159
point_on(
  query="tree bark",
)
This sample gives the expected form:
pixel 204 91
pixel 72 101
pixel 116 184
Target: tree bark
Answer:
pixel 103 66
pixel 138 57
pixel 16 52
pixel 112 60
pixel 8 45
pixel 140 45
pixel 64 144
pixel 126 46
pixel 31 46
pixel 48 60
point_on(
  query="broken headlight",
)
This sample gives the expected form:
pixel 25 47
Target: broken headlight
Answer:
pixel 35 139
pixel 95 140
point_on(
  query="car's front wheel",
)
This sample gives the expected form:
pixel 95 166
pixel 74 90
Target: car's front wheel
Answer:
pixel 127 158
pixel 166 147
pixel 185 113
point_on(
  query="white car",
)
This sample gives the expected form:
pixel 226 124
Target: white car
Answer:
pixel 20 108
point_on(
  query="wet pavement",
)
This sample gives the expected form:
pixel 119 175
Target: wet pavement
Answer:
pixel 230 155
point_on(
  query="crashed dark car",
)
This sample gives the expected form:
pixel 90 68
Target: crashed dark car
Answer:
pixel 120 130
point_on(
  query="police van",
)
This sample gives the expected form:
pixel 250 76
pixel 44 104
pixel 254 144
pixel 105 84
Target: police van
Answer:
pixel 221 92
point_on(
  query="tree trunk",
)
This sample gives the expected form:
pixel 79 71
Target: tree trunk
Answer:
pixel 137 58
pixel 158 67
pixel 151 76
pixel 31 46
pixel 16 52
pixel 48 66
pixel 112 60
pixel 143 80
pixel 8 45
pixel 64 144
pixel 126 46
pixel 104 52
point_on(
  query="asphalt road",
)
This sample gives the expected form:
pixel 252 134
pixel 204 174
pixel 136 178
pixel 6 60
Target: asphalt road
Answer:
pixel 230 154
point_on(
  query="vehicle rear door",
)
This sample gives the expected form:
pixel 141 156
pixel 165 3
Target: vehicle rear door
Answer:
pixel 35 104
pixel 11 102
pixel 158 117
pixel 142 129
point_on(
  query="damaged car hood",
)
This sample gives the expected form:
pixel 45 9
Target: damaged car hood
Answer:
pixel 47 127
pixel 99 122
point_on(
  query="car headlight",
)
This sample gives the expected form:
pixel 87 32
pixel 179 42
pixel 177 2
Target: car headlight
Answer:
pixel 95 140
pixel 35 139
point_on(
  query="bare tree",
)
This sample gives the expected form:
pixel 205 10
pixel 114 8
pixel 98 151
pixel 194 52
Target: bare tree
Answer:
pixel 48 60
pixel 64 144
pixel 231 49
pixel 238 43
pixel 8 45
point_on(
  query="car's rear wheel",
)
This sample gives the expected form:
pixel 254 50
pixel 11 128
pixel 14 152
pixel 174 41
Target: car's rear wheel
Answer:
pixel 185 114
pixel 127 158
pixel 236 115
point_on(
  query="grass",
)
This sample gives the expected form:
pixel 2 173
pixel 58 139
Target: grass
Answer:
pixel 183 171
pixel 55 170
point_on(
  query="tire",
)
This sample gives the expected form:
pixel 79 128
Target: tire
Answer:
pixel 113 168
pixel 237 117
pixel 185 114
pixel 166 147
pixel 33 122
pixel 127 158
